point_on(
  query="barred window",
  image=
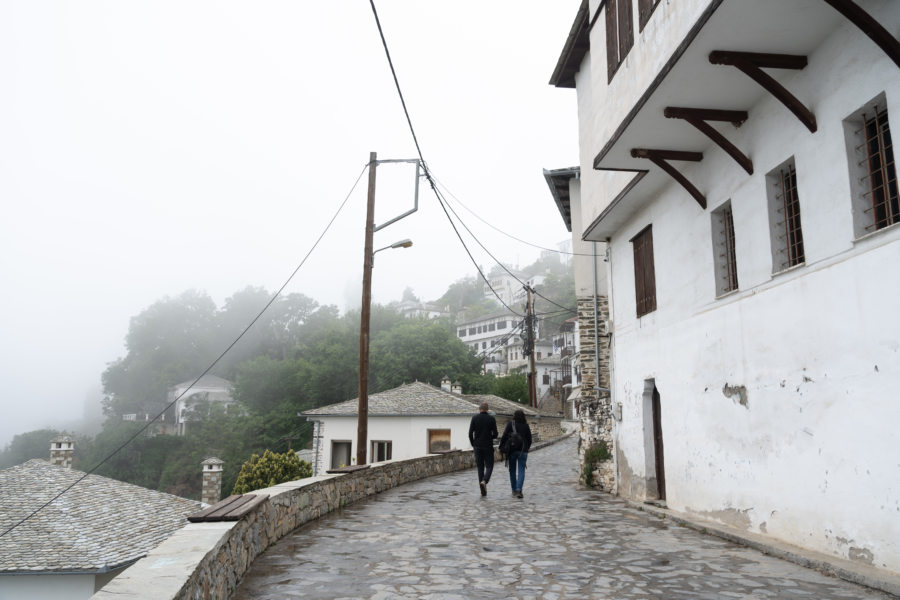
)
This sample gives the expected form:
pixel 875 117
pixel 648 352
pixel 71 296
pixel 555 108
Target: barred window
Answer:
pixel 724 254
pixel 784 217
pixel 873 174
pixel 644 274
pixel 462 333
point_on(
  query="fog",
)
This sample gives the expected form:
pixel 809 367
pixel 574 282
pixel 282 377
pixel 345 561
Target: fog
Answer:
pixel 147 148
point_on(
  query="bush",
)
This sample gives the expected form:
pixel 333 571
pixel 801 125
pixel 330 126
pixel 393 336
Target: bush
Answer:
pixel 270 469
pixel 597 453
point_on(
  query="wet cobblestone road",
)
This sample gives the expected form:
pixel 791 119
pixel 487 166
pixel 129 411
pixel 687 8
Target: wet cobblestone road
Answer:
pixel 439 539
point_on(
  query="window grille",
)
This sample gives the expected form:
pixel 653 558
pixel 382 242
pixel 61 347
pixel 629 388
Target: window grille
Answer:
pixel 644 273
pixel 462 333
pixel 784 213
pixel 724 250
pixel 881 173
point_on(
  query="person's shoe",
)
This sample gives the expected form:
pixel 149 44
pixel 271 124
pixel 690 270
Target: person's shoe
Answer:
pixel 483 485
pixel 519 494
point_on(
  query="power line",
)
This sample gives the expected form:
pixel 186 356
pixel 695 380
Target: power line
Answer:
pixel 207 370
pixel 497 229
pixel 422 158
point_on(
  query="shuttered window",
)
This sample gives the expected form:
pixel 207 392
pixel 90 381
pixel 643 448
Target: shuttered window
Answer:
pixel 644 274
pixel 645 9
pixel 724 253
pixel 619 34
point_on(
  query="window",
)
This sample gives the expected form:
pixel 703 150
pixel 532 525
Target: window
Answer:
pixel 645 9
pixel 784 217
pixel 483 345
pixel 723 249
pixel 644 274
pixel 381 451
pixel 471 331
pixel 491 327
pixel 462 333
pixel 873 174
pixel 619 34
pixel 479 329
pixel 340 454
pixel 438 440
pixel 501 325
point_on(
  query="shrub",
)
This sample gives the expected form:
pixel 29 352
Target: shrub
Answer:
pixel 597 453
pixel 270 469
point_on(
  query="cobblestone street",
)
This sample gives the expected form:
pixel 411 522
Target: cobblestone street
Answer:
pixel 439 539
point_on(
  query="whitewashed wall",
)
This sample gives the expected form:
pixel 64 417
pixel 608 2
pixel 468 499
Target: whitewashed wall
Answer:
pixel 408 435
pixel 811 456
pixel 46 587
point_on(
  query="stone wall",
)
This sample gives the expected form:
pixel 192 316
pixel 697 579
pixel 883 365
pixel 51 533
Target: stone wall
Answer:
pixel 542 428
pixel 206 561
pixel 594 406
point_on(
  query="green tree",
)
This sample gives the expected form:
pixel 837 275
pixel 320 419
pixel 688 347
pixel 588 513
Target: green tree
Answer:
pixel 270 469
pixel 25 446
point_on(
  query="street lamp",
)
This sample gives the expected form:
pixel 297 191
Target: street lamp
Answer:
pixel 362 426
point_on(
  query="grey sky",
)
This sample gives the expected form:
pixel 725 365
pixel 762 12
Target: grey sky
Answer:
pixel 151 147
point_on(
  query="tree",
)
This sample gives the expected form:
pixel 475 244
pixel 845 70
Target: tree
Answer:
pixel 25 446
pixel 409 295
pixel 270 469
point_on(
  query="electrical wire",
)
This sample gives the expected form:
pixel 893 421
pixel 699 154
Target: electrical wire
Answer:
pixel 207 370
pixel 425 168
pixel 498 230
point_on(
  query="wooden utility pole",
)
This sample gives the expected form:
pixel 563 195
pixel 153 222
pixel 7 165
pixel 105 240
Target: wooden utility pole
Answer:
pixel 362 428
pixel 529 319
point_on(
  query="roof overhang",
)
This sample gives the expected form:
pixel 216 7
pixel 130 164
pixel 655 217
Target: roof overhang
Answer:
pixel 716 70
pixel 575 49
pixel 558 182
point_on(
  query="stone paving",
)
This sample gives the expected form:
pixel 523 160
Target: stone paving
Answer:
pixel 439 539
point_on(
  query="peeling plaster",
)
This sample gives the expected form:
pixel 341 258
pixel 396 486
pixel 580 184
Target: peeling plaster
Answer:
pixel 737 393
pixel 863 555
pixel 734 517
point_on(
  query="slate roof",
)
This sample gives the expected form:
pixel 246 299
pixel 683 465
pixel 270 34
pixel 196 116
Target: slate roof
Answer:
pixel 420 399
pixel 98 525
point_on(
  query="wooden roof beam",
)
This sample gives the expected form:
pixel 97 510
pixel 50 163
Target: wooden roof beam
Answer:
pixel 659 158
pixel 698 117
pixel 869 26
pixel 753 63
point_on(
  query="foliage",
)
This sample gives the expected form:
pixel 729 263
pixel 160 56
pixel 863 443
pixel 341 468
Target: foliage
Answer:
pixel 25 446
pixel 595 454
pixel 270 469
pixel 512 387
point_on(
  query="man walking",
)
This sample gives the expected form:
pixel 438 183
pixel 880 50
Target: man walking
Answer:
pixel 482 432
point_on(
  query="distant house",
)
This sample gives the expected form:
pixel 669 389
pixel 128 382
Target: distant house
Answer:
pixel 412 420
pixel 209 388
pixel 84 538
pixel 489 336
pixel 412 309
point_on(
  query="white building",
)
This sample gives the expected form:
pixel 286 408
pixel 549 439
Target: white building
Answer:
pixel 489 337
pixel 211 389
pixel 412 420
pixel 736 160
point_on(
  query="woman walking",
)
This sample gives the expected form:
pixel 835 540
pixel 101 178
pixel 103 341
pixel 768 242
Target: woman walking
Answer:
pixel 517 438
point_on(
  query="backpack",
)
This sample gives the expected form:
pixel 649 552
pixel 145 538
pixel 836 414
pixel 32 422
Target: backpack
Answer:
pixel 515 442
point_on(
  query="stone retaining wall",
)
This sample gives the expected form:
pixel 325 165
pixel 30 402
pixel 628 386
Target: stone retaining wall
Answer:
pixel 206 561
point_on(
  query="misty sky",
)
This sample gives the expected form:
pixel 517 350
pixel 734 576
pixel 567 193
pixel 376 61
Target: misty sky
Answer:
pixel 147 148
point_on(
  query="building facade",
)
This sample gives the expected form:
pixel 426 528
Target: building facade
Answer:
pixel 736 162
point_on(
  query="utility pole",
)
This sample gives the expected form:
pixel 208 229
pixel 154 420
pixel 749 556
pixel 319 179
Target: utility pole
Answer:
pixel 529 323
pixel 362 428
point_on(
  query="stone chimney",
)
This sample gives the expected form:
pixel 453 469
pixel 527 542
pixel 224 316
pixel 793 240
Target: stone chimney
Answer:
pixel 212 480
pixel 61 449
pixel 457 388
pixel 445 384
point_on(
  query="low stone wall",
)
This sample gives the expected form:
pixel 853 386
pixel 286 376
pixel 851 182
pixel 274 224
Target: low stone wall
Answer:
pixel 206 561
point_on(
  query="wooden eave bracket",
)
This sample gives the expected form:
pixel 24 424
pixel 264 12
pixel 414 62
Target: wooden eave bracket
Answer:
pixel 698 117
pixel 869 26
pixel 753 63
pixel 659 158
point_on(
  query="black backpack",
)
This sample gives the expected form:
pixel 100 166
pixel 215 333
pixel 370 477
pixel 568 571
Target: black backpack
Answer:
pixel 515 442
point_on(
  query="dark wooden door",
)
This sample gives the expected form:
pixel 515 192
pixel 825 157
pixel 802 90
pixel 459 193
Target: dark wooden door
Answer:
pixel 658 446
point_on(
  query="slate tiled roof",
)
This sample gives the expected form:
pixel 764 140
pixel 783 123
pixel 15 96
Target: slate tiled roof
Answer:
pixel 419 399
pixel 98 525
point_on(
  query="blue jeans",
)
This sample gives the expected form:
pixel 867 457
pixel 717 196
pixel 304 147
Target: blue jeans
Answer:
pixel 517 460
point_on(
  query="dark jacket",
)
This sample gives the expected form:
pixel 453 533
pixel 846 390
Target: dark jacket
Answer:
pixel 522 429
pixel 482 431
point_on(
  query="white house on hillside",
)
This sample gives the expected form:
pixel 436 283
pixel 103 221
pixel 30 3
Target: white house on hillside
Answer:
pixel 736 163
pixel 209 388
pixel 412 420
